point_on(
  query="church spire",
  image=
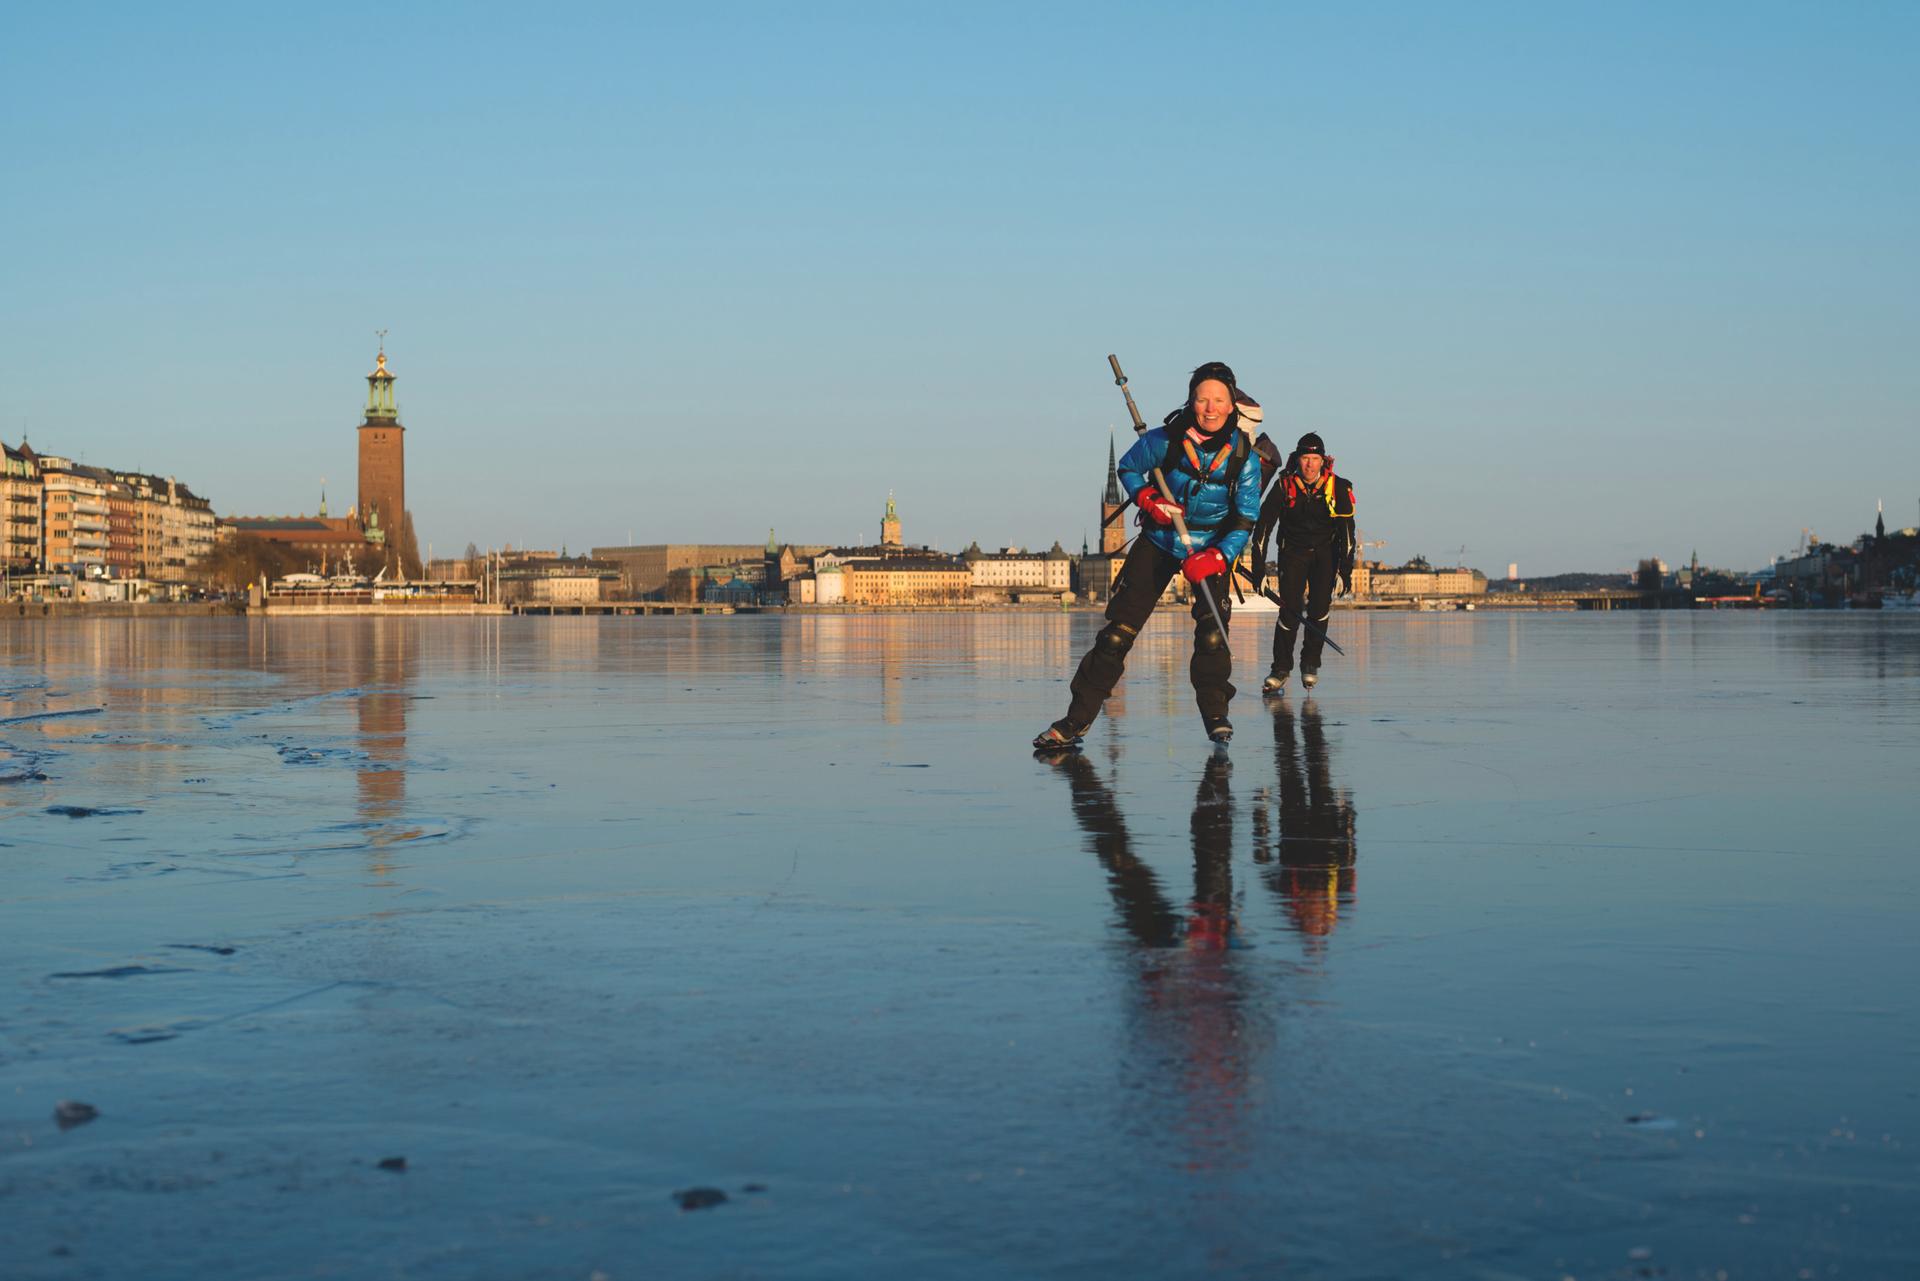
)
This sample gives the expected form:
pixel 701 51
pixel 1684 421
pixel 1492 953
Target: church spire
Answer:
pixel 1112 494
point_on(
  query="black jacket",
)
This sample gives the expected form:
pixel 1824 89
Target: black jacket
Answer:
pixel 1302 518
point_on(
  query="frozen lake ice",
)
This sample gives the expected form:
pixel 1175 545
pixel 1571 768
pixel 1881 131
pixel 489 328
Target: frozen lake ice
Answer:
pixel 1544 946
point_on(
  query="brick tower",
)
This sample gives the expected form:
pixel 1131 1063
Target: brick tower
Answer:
pixel 383 465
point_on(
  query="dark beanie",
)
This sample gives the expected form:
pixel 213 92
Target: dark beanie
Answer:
pixel 1218 370
pixel 1311 444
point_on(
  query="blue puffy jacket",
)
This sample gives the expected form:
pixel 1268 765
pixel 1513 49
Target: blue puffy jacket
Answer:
pixel 1208 518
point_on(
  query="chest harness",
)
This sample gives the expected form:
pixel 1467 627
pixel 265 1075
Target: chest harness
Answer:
pixel 1187 459
pixel 1296 488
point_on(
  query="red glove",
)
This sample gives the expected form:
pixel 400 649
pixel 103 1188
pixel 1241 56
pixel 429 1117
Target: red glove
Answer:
pixel 1204 564
pixel 1156 507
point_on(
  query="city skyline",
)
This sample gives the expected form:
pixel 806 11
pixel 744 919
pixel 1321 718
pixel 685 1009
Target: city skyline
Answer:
pixel 1618 283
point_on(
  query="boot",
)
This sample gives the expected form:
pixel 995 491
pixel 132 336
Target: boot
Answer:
pixel 1060 736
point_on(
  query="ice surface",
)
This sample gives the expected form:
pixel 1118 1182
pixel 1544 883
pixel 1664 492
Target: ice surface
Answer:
pixel 1529 946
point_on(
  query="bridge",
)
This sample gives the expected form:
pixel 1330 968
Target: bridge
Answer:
pixel 606 608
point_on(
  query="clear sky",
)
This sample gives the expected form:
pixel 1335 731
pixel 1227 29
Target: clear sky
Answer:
pixel 1560 284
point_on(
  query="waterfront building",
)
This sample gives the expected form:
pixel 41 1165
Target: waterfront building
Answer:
pixel 893 574
pixel 647 565
pixel 783 562
pixel 1363 578
pixel 558 580
pixel 737 583
pixel 66 517
pixel 20 502
pixel 123 528
pixel 171 528
pixel 333 545
pixel 824 586
pixel 908 577
pixel 75 532
pixel 1417 578
pixel 1012 573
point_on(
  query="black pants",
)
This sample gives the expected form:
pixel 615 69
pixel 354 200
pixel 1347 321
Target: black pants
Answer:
pixel 1306 573
pixel 1143 577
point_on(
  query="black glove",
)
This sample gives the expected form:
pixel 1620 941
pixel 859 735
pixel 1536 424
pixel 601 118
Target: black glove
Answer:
pixel 1346 580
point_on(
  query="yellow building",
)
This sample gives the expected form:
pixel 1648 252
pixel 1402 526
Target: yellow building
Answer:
pixel 173 527
pixel 74 537
pixel 1418 578
pixel 908 579
pixel 561 580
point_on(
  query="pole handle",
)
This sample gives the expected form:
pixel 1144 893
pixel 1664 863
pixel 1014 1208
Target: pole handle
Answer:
pixel 1139 423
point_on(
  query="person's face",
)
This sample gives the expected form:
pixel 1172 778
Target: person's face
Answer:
pixel 1311 465
pixel 1212 402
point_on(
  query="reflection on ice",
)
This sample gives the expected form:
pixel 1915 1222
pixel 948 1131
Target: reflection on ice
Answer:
pixel 1304 831
pixel 576 914
pixel 1191 1000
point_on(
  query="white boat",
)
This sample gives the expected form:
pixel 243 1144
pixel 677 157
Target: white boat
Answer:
pixel 1254 604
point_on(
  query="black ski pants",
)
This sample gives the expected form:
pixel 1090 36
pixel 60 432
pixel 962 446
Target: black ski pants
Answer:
pixel 1144 575
pixel 1306 576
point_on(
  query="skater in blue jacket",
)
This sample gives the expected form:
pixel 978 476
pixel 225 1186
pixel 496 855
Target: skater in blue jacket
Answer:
pixel 1214 473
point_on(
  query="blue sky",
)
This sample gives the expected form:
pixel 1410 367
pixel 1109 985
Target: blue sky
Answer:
pixel 1562 284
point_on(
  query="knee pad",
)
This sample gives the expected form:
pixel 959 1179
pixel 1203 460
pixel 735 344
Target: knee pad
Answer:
pixel 1207 639
pixel 1115 639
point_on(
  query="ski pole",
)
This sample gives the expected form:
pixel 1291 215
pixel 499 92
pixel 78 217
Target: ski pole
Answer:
pixel 1166 492
pixel 1320 631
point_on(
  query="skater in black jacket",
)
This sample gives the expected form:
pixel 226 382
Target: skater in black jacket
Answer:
pixel 1309 515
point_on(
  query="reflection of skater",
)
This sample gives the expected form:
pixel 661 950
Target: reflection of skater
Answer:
pixel 1214 474
pixel 1193 1002
pixel 1316 847
pixel 1310 514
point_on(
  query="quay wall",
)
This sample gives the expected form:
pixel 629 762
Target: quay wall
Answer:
pixel 38 609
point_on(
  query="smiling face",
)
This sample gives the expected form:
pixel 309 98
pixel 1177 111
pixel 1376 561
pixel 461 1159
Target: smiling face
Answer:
pixel 1212 404
pixel 1311 465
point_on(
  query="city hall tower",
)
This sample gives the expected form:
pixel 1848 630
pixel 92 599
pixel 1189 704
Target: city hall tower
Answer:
pixel 383 463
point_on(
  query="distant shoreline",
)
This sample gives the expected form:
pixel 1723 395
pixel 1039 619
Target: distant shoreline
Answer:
pixel 41 611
